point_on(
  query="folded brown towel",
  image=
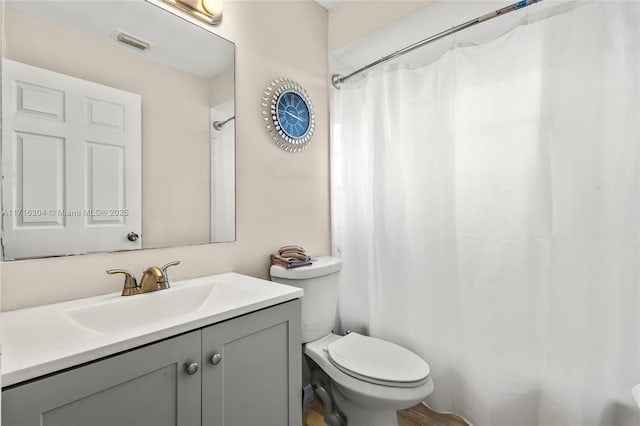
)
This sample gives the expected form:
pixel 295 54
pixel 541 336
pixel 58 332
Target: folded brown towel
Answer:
pixel 294 255
pixel 291 248
pixel 289 262
pixel 291 256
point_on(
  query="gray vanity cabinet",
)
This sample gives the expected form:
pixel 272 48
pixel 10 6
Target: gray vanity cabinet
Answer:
pixel 251 370
pixel 254 380
pixel 147 386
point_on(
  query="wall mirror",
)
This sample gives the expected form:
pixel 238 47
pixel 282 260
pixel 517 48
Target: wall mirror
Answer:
pixel 118 129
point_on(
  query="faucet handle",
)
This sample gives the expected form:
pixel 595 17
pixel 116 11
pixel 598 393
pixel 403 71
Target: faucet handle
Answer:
pixel 130 284
pixel 164 272
pixel 174 263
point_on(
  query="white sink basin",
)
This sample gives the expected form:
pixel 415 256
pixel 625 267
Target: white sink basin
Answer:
pixel 45 339
pixel 129 312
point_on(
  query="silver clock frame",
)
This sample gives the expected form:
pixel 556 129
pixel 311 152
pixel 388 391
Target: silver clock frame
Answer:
pixel 270 99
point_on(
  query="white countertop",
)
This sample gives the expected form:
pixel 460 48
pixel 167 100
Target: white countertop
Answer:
pixel 45 339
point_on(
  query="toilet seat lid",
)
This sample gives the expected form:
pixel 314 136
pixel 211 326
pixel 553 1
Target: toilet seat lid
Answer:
pixel 377 361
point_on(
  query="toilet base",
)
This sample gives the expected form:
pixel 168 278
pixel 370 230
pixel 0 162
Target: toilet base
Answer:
pixel 360 416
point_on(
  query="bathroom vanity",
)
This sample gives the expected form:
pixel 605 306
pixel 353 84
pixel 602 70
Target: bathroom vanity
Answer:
pixel 225 352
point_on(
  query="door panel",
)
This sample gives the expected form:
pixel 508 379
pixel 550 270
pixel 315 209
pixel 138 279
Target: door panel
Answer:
pixel 40 169
pixel 105 182
pixel 106 114
pixel 40 102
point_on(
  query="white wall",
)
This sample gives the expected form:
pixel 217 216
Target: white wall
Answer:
pixel 354 19
pixel 222 88
pixel 282 198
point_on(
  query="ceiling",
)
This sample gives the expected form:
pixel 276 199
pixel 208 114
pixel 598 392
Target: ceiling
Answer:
pixel 203 54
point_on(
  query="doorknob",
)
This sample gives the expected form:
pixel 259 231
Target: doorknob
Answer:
pixel 132 236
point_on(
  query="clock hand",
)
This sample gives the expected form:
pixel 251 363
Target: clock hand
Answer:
pixel 293 115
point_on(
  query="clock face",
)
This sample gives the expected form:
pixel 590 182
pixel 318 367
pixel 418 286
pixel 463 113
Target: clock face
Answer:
pixel 293 114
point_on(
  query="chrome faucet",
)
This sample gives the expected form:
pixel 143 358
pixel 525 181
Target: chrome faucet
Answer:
pixel 153 278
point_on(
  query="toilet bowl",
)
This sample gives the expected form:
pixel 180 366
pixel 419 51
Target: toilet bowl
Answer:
pixel 376 381
pixel 369 378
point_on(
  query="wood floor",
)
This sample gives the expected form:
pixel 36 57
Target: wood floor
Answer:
pixel 414 416
pixel 421 415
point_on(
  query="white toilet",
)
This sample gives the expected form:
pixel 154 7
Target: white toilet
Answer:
pixel 369 379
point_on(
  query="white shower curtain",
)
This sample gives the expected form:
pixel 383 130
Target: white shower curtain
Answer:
pixel 486 209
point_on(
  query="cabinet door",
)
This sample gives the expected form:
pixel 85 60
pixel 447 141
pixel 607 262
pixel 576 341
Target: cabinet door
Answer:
pixel 258 378
pixel 144 387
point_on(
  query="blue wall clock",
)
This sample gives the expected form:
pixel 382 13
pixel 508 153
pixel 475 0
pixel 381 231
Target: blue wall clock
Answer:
pixel 288 113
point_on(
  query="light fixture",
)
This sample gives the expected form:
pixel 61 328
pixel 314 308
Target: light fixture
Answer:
pixel 132 41
pixel 209 11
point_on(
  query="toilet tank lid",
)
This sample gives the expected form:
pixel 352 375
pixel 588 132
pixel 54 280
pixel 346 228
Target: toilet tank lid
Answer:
pixel 323 265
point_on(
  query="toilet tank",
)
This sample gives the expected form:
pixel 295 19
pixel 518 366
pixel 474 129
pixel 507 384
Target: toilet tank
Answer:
pixel 320 284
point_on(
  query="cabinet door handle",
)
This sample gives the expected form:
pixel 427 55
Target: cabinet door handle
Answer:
pixel 215 359
pixel 191 368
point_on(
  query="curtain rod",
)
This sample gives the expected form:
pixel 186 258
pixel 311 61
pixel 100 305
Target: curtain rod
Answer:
pixel 218 124
pixel 338 79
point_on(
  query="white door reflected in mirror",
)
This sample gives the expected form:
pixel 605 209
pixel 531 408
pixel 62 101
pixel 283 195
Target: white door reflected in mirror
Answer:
pixel 635 392
pixel 71 164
